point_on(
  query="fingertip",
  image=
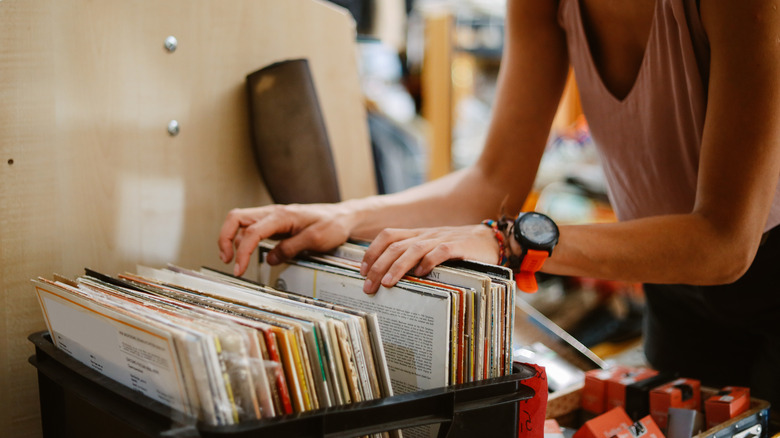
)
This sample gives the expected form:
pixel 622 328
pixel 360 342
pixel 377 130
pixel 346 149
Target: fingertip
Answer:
pixel 272 258
pixel 221 247
pixel 237 271
pixel 364 269
pixel 387 280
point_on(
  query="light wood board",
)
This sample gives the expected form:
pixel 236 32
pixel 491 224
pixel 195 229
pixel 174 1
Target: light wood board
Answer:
pixel 90 177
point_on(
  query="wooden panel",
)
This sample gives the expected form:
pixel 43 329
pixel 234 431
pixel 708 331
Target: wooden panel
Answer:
pixel 437 91
pixel 89 175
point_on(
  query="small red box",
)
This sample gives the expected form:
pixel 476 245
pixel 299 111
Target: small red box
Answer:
pixel 681 393
pixel 594 392
pixel 644 428
pixel 552 429
pixel 729 402
pixel 605 425
pixel 616 386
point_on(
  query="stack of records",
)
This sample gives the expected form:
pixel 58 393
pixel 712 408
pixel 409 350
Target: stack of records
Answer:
pixel 452 326
pixel 226 350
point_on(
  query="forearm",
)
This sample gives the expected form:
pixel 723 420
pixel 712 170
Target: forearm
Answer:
pixel 464 197
pixel 684 248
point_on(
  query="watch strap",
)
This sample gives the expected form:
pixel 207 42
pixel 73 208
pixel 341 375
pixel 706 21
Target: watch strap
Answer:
pixel 533 260
pixel 526 281
pixel 531 263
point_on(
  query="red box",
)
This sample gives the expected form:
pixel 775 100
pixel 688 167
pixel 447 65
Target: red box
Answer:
pixel 729 402
pixel 552 429
pixel 681 393
pixel 616 386
pixel 644 428
pixel 605 425
pixel 594 393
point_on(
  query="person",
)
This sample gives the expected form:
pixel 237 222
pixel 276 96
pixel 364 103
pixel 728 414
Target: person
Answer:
pixel 683 102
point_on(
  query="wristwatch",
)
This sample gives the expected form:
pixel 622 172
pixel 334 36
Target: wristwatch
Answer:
pixel 537 235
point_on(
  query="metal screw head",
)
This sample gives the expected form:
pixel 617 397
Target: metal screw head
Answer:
pixel 173 128
pixel 171 43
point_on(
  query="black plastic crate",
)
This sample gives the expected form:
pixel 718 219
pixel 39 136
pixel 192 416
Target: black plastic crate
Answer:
pixel 78 401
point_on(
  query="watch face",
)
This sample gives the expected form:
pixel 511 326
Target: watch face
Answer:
pixel 538 229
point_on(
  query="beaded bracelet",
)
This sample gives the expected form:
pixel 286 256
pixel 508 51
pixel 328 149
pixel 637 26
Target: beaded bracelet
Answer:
pixel 512 259
pixel 499 234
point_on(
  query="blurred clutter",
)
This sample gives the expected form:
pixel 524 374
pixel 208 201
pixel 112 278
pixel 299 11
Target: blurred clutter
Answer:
pixel 641 402
pixel 397 131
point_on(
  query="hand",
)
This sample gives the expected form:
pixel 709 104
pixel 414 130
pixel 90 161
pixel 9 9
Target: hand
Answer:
pixel 317 227
pixel 395 252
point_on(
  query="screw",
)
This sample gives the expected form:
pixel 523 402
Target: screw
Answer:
pixel 173 128
pixel 171 43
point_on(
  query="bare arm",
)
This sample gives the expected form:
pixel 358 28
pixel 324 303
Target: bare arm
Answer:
pixel 738 174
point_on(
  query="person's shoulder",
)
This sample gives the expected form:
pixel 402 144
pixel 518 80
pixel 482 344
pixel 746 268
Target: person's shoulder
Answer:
pixel 727 20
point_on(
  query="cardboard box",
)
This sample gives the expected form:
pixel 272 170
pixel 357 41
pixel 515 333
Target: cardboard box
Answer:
pixel 552 429
pixel 605 425
pixel 728 403
pixel 565 407
pixel 684 423
pixel 644 428
pixel 594 391
pixel 680 393
pixel 638 394
pixel 616 386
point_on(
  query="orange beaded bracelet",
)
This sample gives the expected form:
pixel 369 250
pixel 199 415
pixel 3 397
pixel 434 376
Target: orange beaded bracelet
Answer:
pixel 503 260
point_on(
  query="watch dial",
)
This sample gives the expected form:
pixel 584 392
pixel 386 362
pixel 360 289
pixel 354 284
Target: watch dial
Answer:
pixel 539 229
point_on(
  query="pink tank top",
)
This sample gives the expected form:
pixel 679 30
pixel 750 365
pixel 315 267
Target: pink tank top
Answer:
pixel 649 141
